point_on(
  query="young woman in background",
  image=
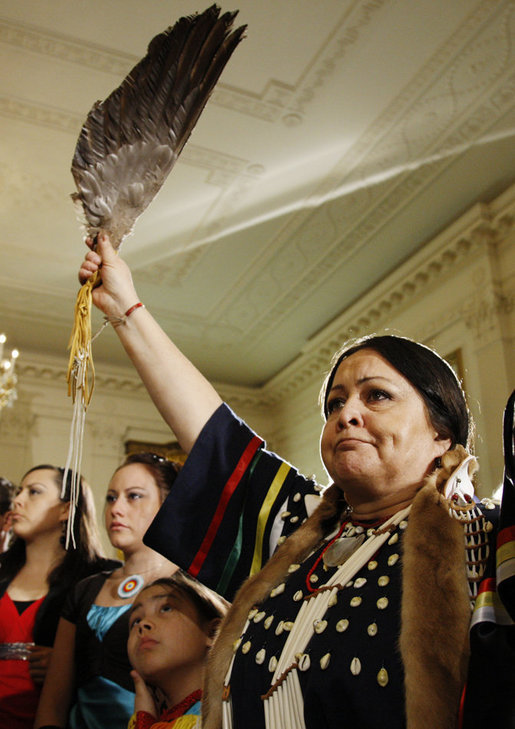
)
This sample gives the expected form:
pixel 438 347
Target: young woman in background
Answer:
pixel 89 683
pixel 36 574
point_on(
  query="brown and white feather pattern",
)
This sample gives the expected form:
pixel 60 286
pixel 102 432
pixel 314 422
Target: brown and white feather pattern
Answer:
pixel 130 142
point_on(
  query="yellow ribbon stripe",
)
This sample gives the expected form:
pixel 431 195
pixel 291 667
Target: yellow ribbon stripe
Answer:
pixel 486 599
pixel 275 487
pixel 505 552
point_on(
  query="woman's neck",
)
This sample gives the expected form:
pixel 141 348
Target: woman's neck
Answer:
pixel 45 551
pixel 42 555
pixel 379 508
pixel 146 561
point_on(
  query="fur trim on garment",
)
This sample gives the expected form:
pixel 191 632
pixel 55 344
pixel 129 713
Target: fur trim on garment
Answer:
pixel 435 608
pixel 435 603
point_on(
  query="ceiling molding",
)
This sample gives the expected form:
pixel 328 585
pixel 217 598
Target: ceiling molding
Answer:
pixel 301 257
pixel 40 115
pixel 65 48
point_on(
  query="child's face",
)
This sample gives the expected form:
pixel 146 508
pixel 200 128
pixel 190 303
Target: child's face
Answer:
pixel 165 635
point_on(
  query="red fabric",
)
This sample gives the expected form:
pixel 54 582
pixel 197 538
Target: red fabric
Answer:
pixel 181 708
pixel 506 535
pixel 18 694
pixel 144 720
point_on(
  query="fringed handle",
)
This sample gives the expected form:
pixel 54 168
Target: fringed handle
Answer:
pixel 80 345
pixel 80 373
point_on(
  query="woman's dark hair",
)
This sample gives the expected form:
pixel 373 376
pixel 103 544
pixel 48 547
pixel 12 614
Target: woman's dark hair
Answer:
pixel 87 542
pixel 208 604
pixel 6 495
pixel 429 374
pixel 163 471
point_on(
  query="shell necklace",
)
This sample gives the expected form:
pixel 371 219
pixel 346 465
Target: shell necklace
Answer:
pixel 284 703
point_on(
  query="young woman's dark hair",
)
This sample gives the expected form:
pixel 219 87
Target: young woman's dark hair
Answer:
pixel 163 471
pixel 87 549
pixel 208 604
pixel 429 374
pixel 6 495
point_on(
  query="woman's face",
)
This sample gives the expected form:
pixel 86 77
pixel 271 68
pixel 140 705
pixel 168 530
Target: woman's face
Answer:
pixel 132 501
pixel 165 635
pixel 378 439
pixel 37 507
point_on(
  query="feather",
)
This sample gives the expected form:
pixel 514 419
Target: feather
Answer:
pixel 131 140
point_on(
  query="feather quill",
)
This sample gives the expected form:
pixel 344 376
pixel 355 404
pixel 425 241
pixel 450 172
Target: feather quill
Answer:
pixel 131 140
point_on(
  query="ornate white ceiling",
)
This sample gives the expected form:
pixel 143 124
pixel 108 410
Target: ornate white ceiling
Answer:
pixel 342 136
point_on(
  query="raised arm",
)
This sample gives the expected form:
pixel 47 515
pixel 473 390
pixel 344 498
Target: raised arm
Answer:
pixel 183 396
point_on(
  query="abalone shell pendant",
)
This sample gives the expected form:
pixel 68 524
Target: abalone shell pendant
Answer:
pixel 341 549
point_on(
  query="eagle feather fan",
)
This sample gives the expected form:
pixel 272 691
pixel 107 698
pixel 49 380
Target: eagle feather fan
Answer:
pixel 130 142
pixel 125 150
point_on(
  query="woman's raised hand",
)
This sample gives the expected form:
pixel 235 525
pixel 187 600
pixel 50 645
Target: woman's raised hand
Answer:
pixel 116 293
pixel 182 395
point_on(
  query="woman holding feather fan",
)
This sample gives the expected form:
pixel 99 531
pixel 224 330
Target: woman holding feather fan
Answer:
pixel 362 615
pixel 334 627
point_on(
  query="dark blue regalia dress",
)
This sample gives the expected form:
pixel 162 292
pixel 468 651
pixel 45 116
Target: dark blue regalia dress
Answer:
pixel 231 504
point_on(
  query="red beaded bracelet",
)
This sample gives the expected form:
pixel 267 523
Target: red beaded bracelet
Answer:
pixel 133 308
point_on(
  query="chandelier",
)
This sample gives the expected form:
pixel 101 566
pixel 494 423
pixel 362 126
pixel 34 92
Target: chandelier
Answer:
pixel 8 379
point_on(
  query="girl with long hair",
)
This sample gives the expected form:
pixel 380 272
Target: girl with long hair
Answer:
pixel 36 573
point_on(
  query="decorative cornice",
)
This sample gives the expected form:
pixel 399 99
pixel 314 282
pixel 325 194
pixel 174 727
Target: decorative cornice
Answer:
pixel 40 115
pixel 32 369
pixel 88 55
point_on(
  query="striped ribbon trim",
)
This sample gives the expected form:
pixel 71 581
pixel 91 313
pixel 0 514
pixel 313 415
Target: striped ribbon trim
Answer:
pixel 236 550
pixel 225 497
pixel 264 513
pixel 505 554
pixel 488 607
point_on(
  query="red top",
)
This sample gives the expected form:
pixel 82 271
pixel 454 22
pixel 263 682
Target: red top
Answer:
pixel 19 695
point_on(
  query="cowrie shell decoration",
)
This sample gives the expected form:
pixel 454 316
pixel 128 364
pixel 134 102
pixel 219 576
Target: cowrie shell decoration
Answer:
pixel 304 662
pixel 277 590
pixel 319 626
pixel 382 677
pixel 324 661
pixel 355 666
